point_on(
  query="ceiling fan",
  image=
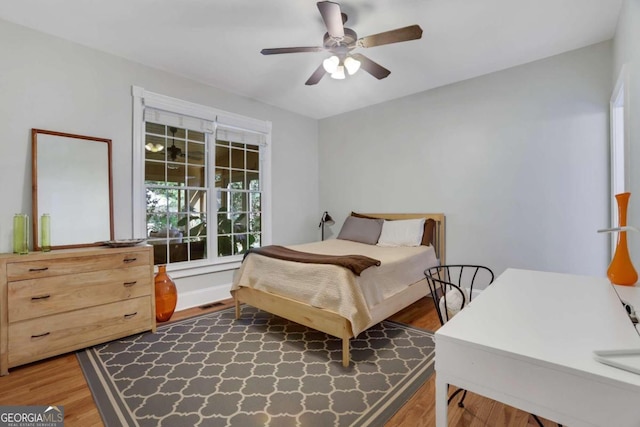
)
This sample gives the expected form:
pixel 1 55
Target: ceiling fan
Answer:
pixel 340 41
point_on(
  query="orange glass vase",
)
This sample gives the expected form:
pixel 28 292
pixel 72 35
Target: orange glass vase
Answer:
pixel 621 271
pixel 166 295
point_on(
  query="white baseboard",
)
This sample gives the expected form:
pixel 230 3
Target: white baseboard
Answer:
pixel 200 297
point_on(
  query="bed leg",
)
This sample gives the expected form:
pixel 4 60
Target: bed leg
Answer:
pixel 345 352
pixel 237 301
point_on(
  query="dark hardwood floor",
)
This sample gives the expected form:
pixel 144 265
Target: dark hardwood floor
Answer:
pixel 59 381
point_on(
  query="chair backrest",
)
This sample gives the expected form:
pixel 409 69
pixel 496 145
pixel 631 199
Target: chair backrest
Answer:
pixel 452 286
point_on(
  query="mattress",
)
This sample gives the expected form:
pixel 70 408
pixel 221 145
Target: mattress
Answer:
pixel 335 288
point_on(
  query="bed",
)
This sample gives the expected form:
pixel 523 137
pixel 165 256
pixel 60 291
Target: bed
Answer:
pixel 333 299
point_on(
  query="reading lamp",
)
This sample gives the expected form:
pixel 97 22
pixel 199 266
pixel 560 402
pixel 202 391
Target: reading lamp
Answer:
pixel 325 219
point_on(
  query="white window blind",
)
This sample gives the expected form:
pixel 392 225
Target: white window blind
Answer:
pixel 242 136
pixel 177 120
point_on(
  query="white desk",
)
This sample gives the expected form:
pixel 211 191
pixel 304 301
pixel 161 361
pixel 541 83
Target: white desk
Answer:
pixel 528 341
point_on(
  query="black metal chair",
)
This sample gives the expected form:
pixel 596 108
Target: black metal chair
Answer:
pixel 451 289
pixel 452 286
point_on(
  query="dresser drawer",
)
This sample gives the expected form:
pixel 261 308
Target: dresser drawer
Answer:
pixel 36 339
pixel 33 298
pixel 22 270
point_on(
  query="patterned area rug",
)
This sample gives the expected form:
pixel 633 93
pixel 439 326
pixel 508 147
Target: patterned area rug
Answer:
pixel 261 370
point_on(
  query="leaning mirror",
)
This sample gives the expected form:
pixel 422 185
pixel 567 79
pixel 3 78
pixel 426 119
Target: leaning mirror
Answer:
pixel 72 183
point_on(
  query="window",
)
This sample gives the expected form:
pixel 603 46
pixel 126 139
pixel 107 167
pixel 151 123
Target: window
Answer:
pixel 238 193
pixel 175 176
pixel 201 182
pixel 619 150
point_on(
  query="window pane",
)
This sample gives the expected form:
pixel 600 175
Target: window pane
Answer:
pixel 181 225
pixel 237 159
pixel 225 246
pixel 175 174
pixel 195 136
pixel 173 197
pixel 253 160
pixel 254 222
pixel 237 180
pixel 154 171
pixel 238 202
pixel 240 224
pixel 240 244
pixel 254 240
pixel 195 176
pixel 196 225
pixel 159 253
pixel 179 133
pixel 222 157
pixel 223 201
pixel 156 211
pixel 198 249
pixel 155 128
pixel 178 252
pixel 253 181
pixel 176 150
pixel 254 202
pixel 180 199
pixel 154 147
pixel 195 153
pixel 197 201
pixel 224 224
pixel 223 178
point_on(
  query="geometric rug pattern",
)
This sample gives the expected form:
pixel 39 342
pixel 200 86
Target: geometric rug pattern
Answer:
pixel 260 370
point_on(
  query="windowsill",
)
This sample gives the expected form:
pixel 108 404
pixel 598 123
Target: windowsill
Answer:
pixel 198 268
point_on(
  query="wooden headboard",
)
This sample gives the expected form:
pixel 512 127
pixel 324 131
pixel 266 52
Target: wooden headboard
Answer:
pixel 438 235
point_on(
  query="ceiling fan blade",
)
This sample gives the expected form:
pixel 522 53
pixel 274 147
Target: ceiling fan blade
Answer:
pixel 316 76
pixel 373 68
pixel 332 18
pixel 412 32
pixel 277 50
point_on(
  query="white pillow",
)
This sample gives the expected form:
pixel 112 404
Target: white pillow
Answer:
pixel 406 232
pixel 454 303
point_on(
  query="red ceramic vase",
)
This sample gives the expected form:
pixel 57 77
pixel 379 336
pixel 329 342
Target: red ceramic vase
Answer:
pixel 166 295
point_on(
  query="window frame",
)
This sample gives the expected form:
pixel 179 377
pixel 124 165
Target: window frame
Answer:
pixel 142 99
pixel 619 161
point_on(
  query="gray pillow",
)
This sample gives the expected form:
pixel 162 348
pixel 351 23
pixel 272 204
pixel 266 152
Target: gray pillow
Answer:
pixel 363 230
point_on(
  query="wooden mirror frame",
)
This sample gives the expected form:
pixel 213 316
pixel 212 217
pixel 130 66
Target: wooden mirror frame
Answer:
pixel 34 177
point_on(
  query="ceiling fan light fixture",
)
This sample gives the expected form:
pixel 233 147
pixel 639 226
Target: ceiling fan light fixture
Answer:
pixel 352 65
pixel 331 64
pixel 154 148
pixel 339 73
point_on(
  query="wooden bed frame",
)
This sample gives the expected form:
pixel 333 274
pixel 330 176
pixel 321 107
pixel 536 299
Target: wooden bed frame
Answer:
pixel 332 323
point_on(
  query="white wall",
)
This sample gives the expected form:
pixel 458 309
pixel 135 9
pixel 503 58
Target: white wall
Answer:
pixel 49 83
pixel 517 160
pixel 627 53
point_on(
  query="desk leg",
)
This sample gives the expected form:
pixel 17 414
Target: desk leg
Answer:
pixel 442 391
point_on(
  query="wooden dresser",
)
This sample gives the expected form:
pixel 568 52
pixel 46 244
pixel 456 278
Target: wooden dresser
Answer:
pixel 64 300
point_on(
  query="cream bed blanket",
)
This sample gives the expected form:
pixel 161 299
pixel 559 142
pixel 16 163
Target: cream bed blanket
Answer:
pixel 335 288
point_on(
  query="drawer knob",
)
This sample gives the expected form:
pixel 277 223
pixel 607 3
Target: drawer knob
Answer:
pixel 40 335
pixel 129 284
pixel 128 260
pixel 40 298
pixel 39 269
pixel 130 315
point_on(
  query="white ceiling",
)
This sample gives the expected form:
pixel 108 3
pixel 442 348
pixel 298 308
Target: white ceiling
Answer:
pixel 218 42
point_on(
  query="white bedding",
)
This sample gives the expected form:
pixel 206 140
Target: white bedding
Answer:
pixel 336 288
